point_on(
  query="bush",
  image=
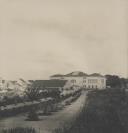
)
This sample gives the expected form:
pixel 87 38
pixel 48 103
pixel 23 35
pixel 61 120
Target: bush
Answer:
pixel 32 116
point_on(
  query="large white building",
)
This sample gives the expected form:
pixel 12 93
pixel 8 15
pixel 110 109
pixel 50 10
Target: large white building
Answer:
pixel 84 80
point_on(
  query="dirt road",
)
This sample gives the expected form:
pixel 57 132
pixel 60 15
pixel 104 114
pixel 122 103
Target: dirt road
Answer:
pixel 47 123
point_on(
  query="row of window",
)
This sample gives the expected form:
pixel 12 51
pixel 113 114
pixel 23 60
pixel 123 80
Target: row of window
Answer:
pixel 92 81
pixel 84 81
pixel 90 86
pixel 73 81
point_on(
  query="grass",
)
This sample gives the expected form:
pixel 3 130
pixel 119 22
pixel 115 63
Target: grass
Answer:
pixel 19 130
pixel 102 113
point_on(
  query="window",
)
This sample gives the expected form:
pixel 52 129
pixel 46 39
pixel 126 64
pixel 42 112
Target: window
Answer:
pixel 84 81
pixel 96 80
pixel 73 81
pixel 102 80
pixel 89 81
pixel 92 81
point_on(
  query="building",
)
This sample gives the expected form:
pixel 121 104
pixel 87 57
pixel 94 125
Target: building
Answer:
pixel 51 85
pixel 95 81
pixel 63 86
pixel 81 79
pixel 2 83
pixel 75 78
pixel 12 88
pixel 21 85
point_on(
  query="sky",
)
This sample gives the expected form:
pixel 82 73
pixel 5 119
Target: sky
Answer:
pixel 39 38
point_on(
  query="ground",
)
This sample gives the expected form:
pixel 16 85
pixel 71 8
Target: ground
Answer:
pixel 105 111
pixel 47 123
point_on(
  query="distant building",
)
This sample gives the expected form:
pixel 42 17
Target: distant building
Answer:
pixel 51 85
pixel 11 88
pixel 84 80
pixel 2 94
pixel 96 81
pixel 2 83
pixel 22 84
pixel 63 86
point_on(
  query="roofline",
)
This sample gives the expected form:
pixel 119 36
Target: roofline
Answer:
pixel 50 80
pixel 79 76
pixel 57 75
pixel 75 76
pixel 97 76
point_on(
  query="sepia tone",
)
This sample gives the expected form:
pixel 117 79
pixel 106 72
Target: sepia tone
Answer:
pixel 63 66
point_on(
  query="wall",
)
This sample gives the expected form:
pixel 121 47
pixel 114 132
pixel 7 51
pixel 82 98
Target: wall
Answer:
pixel 98 82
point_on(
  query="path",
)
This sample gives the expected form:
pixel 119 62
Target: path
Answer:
pixel 47 123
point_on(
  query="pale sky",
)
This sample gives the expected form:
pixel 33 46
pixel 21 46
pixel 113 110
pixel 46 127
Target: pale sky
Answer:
pixel 39 38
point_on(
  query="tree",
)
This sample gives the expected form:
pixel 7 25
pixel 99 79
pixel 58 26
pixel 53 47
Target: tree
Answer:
pixel 123 82
pixel 113 81
pixel 116 81
pixel 33 92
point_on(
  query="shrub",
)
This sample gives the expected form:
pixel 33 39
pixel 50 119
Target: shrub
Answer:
pixel 32 116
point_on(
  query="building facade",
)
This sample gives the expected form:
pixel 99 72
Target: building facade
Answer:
pixel 54 85
pixel 80 79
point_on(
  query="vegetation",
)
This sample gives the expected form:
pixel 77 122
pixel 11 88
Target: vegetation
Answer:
pixel 19 130
pixel 71 94
pixel 32 116
pixel 32 92
pixel 11 100
pixel 116 81
pixel 101 114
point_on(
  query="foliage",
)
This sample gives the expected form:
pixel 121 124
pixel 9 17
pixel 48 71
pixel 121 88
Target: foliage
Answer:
pixel 32 92
pixel 11 100
pixel 32 116
pixel 35 92
pixel 115 81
